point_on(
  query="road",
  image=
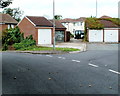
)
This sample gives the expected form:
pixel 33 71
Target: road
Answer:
pixel 90 72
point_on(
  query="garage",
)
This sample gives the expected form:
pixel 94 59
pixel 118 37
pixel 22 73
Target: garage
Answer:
pixel 59 36
pixel 95 35
pixel 44 36
pixel 110 35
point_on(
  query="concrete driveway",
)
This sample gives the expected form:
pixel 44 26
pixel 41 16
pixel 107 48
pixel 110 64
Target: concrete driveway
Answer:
pixel 102 46
pixel 74 43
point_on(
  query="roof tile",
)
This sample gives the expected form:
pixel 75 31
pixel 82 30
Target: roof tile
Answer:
pixel 40 21
pixel 6 18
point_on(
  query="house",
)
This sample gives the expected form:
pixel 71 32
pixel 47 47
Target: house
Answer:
pixel 74 25
pixel 6 22
pixel 60 31
pixel 41 29
pixel 110 32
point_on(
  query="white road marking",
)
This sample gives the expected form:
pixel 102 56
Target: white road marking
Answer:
pixel 59 57
pixel 62 57
pixel 49 55
pixel 114 71
pixel 93 65
pixel 76 61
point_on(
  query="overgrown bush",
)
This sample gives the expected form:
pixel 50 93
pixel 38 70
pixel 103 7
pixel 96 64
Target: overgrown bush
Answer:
pixel 25 43
pixel 93 23
pixel 11 36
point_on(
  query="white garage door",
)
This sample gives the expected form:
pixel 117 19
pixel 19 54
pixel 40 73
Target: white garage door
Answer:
pixel 95 35
pixel 44 36
pixel 111 35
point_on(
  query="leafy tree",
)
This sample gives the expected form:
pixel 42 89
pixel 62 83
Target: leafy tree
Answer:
pixel 5 3
pixel 58 17
pixel 16 13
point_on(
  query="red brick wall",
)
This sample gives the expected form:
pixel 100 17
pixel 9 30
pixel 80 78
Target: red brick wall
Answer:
pixel 3 27
pixel 28 28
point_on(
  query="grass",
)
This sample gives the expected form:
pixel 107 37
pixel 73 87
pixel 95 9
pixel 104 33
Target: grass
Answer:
pixel 41 48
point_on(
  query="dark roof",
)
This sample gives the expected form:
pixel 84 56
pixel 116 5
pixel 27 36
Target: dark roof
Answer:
pixel 108 24
pixel 68 20
pixel 40 21
pixel 58 24
pixel 6 18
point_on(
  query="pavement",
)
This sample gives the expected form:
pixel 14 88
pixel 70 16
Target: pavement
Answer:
pixel 90 72
pixel 73 43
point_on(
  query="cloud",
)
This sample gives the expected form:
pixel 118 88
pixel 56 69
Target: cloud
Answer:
pixel 67 8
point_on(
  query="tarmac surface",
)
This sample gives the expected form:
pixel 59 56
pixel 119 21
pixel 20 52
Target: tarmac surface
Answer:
pixel 90 72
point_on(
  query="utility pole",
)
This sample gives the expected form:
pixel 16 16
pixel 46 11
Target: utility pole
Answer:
pixel 53 25
pixel 96 8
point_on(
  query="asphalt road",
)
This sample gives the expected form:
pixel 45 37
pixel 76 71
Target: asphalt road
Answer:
pixel 91 72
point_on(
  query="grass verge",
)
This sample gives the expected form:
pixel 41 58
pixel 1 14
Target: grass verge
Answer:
pixel 41 48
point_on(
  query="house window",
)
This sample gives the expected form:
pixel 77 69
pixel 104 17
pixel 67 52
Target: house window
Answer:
pixel 9 26
pixel 81 23
pixel 12 26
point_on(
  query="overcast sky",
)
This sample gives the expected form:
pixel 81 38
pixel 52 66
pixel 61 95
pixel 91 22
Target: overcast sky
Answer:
pixel 67 8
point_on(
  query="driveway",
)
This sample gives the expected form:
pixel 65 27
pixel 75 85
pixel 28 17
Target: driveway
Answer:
pixel 102 46
pixel 74 43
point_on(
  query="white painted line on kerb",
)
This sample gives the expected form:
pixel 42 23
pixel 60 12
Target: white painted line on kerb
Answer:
pixel 49 55
pixel 93 65
pixel 114 71
pixel 76 61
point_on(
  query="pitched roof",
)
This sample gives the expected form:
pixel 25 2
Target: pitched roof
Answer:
pixel 68 20
pixel 58 24
pixel 108 24
pixel 104 16
pixel 81 19
pixel 40 21
pixel 6 18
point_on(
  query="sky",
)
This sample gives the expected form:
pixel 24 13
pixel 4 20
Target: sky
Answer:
pixel 67 8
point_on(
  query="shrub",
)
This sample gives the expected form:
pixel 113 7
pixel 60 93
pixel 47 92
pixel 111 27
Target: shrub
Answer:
pixel 25 43
pixel 11 36
pixel 5 47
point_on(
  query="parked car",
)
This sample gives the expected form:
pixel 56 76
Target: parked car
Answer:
pixel 79 34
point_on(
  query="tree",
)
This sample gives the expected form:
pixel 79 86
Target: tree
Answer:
pixel 5 3
pixel 58 17
pixel 16 13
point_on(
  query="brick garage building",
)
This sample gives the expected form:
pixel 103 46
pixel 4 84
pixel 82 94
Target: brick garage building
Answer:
pixel 60 31
pixel 110 33
pixel 39 27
